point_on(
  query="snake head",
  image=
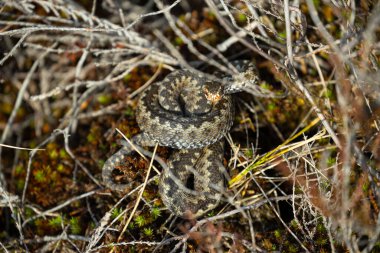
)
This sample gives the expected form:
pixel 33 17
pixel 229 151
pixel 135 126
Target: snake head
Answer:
pixel 245 79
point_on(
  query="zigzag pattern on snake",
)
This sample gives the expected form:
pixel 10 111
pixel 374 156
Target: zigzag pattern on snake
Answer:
pixel 191 114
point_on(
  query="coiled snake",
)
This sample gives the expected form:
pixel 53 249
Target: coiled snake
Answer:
pixel 189 113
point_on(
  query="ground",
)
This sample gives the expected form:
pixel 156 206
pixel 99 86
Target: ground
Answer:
pixel 302 156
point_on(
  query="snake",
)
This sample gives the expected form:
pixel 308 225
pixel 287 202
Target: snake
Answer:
pixel 190 114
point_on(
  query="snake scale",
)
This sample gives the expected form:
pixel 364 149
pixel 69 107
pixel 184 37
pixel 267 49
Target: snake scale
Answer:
pixel 191 114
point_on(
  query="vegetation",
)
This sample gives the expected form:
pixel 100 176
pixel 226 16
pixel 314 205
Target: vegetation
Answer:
pixel 303 155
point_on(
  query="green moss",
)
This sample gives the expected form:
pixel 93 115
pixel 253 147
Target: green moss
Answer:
pixel 132 249
pixel 178 41
pixel 271 106
pixel 53 154
pixel 127 77
pixel 281 37
pixel 131 225
pixel 293 248
pixel 376 248
pixel 63 154
pixel 329 94
pixel 40 176
pixel 19 169
pixel 331 161
pixel 60 168
pixel 21 112
pixel 148 232
pixel 156 212
pixel 56 222
pixel 265 85
pixel 210 15
pixel 91 137
pixel 104 99
pixel 242 18
pixel 294 224
pixel 146 195
pixel 28 212
pixel 116 212
pixel 182 18
pixel 129 112
pixel 321 241
pixel 211 213
pixel 92 225
pixel 101 163
pixel 6 108
pixel 248 153
pixel 140 220
pixel 321 228
pixel 75 225
pixel 366 187
pixel 277 234
pixel 325 185
pixel 20 184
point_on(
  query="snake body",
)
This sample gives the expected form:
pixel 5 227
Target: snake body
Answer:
pixel 177 114
pixel 188 113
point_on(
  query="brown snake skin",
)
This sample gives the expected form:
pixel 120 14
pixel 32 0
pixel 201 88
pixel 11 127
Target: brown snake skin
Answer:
pixel 188 113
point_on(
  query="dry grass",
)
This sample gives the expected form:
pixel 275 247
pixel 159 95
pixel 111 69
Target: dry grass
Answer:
pixel 302 157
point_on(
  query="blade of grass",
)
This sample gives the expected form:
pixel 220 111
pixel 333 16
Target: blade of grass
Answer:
pixel 273 154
